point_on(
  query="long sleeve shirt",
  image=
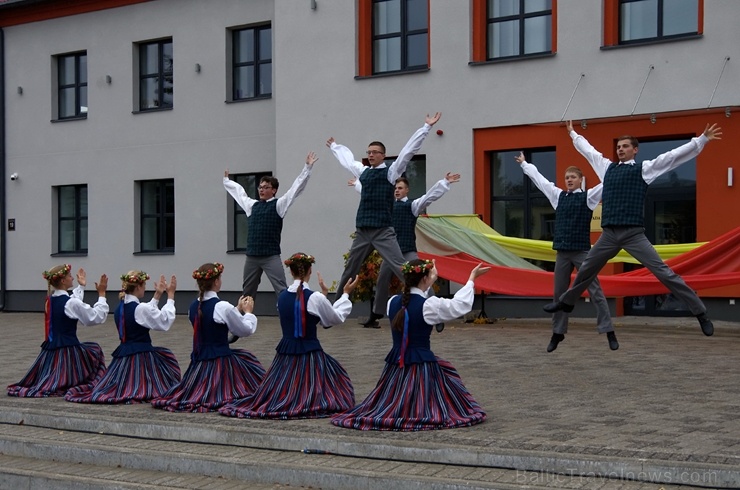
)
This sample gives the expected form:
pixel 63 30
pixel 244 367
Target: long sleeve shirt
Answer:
pixel 396 169
pixel 418 205
pixel 228 314
pixel 150 316
pixel 84 313
pixel 651 169
pixel 439 310
pixel 283 203
pixel 552 192
pixel 319 305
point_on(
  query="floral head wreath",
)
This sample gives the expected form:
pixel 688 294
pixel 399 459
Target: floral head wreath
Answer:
pixel 424 267
pixel 300 257
pixel 137 278
pixel 54 276
pixel 210 273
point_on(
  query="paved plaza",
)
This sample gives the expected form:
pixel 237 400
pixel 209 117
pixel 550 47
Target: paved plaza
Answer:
pixel 659 412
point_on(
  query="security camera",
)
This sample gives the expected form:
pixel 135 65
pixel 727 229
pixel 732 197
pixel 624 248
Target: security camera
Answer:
pixel 14 176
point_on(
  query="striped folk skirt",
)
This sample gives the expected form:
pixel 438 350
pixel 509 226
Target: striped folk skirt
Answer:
pixel 208 385
pixel 57 370
pixel 304 386
pixel 135 378
pixel 424 396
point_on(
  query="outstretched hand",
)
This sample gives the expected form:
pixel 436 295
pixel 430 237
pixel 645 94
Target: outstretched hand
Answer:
pixel 322 285
pixel 351 285
pixel 713 132
pixel 311 158
pixel 330 141
pixel 432 120
pixel 478 271
pixel 351 182
pixel 569 125
pixel 452 178
pixel 520 158
pixel 102 286
pixel 171 287
pixel 246 304
pixel 82 277
pixel 226 173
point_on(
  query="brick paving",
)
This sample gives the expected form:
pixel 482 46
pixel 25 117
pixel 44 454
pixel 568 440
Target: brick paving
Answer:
pixel 666 402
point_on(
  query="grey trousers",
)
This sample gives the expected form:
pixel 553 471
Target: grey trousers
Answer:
pixel 565 262
pixel 366 240
pixel 634 241
pixel 271 265
pixel 382 288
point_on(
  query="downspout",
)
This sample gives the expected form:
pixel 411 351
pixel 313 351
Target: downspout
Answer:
pixel 3 200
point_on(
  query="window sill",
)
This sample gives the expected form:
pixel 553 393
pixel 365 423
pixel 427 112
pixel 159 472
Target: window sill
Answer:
pixel 69 254
pixel 393 73
pixel 649 42
pixel 65 119
pixel 236 252
pixel 156 252
pixel 511 59
pixel 146 111
pixel 250 99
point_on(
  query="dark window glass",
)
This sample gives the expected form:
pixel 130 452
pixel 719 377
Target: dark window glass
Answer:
pixel 156 83
pixel 518 28
pixel 157 215
pixel 72 219
pixel 651 20
pixel 400 35
pixel 72 85
pixel 252 63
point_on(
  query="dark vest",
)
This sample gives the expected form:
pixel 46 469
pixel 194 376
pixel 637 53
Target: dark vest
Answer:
pixel 623 200
pixel 212 339
pixel 376 199
pixel 135 337
pixel 572 222
pixel 290 344
pixel 404 222
pixel 264 227
pixel 417 349
pixel 63 329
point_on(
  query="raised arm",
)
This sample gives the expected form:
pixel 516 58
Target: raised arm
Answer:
pixel 332 314
pixel 439 310
pixel 594 158
pixel 412 146
pixel 237 192
pixel 299 184
pixel 149 314
pixel 438 190
pixel 550 190
pixel 86 314
pixel 238 323
pixel 345 157
pixel 652 169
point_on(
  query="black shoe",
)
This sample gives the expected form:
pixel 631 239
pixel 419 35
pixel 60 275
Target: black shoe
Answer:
pixel 612 338
pixel 372 321
pixel 707 327
pixel 558 306
pixel 233 338
pixel 439 327
pixel 554 341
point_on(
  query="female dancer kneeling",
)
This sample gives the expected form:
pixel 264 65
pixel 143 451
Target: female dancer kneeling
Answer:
pixel 139 371
pixel 303 381
pixel 65 362
pixel 417 390
pixel 217 374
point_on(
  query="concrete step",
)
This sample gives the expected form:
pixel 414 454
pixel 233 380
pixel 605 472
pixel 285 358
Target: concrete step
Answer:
pixel 38 457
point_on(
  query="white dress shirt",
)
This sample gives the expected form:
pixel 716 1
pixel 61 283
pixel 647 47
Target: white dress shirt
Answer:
pixel 439 310
pixel 319 305
pixel 81 311
pixel 150 316
pixel 228 314
pixel 283 203
pixel 418 205
pixel 552 192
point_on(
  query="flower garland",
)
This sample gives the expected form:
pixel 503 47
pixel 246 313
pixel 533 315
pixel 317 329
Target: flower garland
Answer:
pixel 425 266
pixel 139 277
pixel 54 276
pixel 300 257
pixel 210 273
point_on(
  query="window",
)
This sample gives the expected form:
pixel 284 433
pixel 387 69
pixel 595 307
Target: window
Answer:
pixel 518 208
pixel 156 87
pixel 71 219
pixel 395 34
pixel 518 28
pixel 238 232
pixel 72 86
pixel 252 63
pixel 639 21
pixel 157 211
